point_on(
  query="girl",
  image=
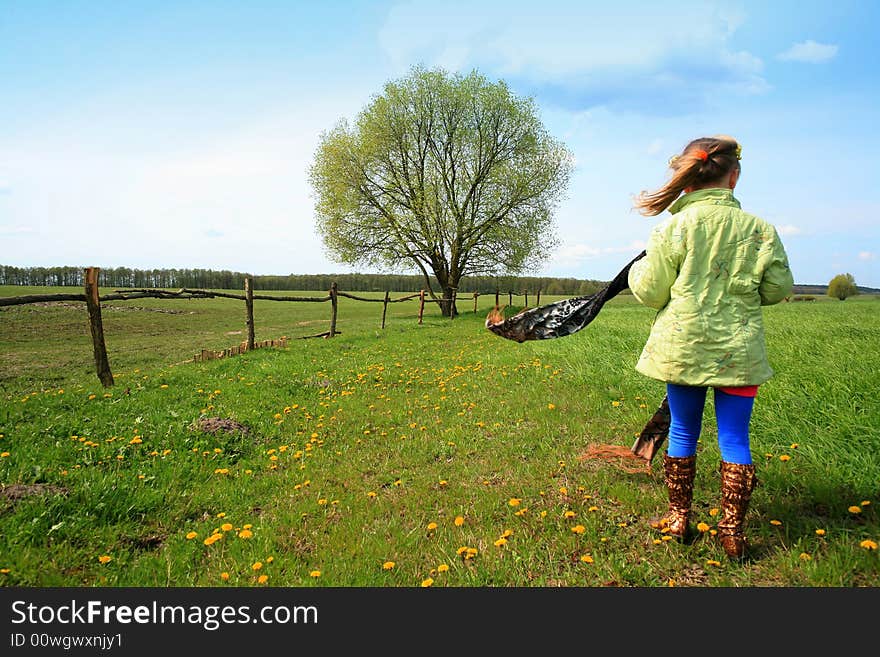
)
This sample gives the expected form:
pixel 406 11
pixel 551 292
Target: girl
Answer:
pixel 708 270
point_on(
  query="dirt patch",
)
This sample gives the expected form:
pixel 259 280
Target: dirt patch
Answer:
pixel 13 493
pixel 218 424
pixel 620 456
pixel 145 542
pixel 166 311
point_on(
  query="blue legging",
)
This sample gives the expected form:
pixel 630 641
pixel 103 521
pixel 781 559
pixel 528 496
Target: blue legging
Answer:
pixel 732 413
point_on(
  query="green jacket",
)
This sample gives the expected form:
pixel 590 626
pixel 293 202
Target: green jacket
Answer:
pixel 708 270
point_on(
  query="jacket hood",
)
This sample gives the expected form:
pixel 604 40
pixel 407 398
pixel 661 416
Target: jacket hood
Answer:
pixel 710 195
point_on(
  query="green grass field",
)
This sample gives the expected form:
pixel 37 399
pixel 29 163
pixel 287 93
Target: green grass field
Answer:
pixel 434 454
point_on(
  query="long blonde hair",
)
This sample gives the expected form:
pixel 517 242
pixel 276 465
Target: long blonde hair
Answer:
pixel 702 162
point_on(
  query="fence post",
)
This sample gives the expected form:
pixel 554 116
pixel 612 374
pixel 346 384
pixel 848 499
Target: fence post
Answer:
pixel 452 303
pixel 421 305
pixel 333 303
pixel 384 308
pixel 538 302
pixel 527 299
pixel 93 304
pixel 249 305
pixel 496 297
pixel 510 298
pixel 476 294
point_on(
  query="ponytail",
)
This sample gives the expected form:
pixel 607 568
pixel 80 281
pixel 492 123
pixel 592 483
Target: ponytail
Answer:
pixel 702 162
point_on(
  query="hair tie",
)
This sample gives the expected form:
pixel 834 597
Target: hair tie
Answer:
pixel 701 155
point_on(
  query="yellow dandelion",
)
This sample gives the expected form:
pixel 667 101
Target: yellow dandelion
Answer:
pixel 442 568
pixel 578 529
pixel 388 565
pixel 257 565
pixel 820 532
pixel 459 521
pixel 500 542
pixel 868 544
pixel 432 526
pixel 776 522
pixel 135 441
pixel 713 511
pixel 470 553
pixel 460 551
pixel 371 494
pixel 794 445
pixel 667 537
pixel 507 533
pixel 514 501
pixel 712 562
pixel 563 490
pixel 805 557
pixel 703 527
pixel 104 558
pixel 245 533
pixel 5 571
pixel 784 457
pixel 322 502
pixel 593 508
pixel 427 582
pixel 657 541
pixel 191 535
pixel 226 526
pixel 568 514
pixel 4 454
pixel 615 403
pixel 587 558
pixel 866 502
pixel 262 579
pixel 855 509
pixel 224 576
pixel 315 573
pixel 551 406
pixel 222 514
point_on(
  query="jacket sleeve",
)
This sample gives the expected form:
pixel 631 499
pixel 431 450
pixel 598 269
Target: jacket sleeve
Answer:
pixel 650 279
pixel 777 281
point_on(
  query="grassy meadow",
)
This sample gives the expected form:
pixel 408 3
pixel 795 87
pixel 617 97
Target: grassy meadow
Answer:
pixel 433 454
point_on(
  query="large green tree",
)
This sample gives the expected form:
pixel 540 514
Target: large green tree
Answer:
pixel 447 174
pixel 842 286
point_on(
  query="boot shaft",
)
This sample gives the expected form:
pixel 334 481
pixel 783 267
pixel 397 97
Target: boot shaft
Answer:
pixel 737 483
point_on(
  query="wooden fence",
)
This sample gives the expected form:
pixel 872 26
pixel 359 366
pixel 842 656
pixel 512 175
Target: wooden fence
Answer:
pixel 93 302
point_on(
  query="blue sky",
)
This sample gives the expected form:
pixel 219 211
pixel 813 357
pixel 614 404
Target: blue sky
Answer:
pixel 179 134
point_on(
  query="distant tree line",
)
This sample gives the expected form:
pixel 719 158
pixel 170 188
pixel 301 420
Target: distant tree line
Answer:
pixel 125 277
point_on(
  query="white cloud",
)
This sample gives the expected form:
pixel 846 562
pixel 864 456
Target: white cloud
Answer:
pixel 573 255
pixel 11 231
pixel 867 255
pixel 809 51
pixel 656 146
pixel 583 54
pixel 788 230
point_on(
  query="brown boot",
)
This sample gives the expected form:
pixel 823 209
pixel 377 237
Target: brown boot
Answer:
pixel 737 482
pixel 678 473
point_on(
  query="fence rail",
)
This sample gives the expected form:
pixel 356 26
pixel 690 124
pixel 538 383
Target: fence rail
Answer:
pixel 93 301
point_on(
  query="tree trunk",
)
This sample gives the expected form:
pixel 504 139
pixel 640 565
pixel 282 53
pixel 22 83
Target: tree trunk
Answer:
pixel 447 304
